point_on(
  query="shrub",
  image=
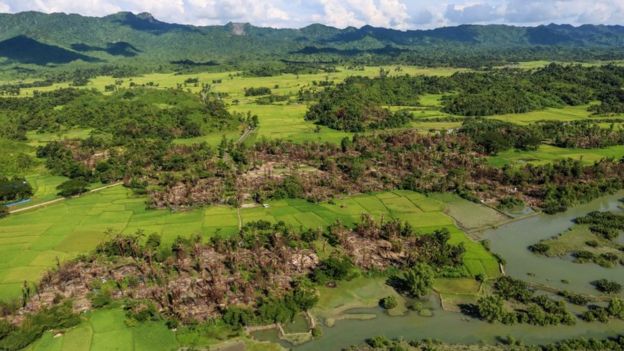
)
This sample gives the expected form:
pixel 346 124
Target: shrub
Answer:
pixel 101 298
pixel 57 317
pixel 4 211
pixel 257 91
pixel 607 286
pixel 388 302
pixel 317 332
pixel 539 248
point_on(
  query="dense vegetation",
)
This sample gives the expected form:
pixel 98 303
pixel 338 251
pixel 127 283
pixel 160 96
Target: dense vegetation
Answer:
pixel 360 104
pixel 606 224
pixel 15 188
pixel 129 113
pixel 536 309
pixel 381 343
pixel 182 176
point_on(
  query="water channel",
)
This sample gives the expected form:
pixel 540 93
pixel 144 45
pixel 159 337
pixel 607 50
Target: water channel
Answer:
pixel 511 242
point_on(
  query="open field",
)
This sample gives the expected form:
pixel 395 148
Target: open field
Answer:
pixel 549 153
pixel 106 329
pixel 361 292
pixel 543 63
pixel 234 82
pixel 286 121
pixel 567 113
pixel 454 292
pixel 33 241
pixel 40 139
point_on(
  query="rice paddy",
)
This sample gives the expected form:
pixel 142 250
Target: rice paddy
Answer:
pixel 107 330
pixel 549 153
pixel 34 241
pixel 567 113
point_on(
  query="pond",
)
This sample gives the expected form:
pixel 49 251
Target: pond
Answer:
pixel 511 242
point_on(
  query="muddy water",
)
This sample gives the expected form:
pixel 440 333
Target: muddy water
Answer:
pixel 449 327
pixel 511 242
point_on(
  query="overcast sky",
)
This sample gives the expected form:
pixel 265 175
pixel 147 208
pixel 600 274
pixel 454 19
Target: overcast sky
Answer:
pixel 401 14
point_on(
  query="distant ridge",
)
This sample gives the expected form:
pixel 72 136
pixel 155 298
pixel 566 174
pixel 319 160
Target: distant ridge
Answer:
pixel 34 37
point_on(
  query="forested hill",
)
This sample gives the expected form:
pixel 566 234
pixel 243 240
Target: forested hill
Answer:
pixel 37 38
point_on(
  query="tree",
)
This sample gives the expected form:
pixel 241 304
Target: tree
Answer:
pixel 616 308
pixel 607 286
pixel 417 281
pixel 333 268
pixel 491 308
pixel 73 187
pixel 4 211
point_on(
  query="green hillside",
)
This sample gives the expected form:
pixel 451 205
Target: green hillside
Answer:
pixel 37 38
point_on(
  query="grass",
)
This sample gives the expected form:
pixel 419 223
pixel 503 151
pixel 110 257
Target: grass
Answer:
pixel 33 241
pixel 361 292
pixel 106 330
pixel 543 63
pixel 469 215
pixel 575 239
pixel 549 153
pixel 567 113
pixel 454 292
pixel 39 139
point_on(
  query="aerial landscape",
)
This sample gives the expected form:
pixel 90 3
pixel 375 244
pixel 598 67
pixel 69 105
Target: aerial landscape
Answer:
pixel 360 175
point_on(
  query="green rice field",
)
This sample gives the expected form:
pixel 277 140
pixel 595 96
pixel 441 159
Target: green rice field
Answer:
pixel 549 153
pixel 107 330
pixel 567 113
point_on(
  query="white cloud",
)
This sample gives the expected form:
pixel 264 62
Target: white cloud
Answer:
pixel 219 11
pixel 473 13
pixel 85 7
pixel 533 12
pixel 402 14
pixel 381 13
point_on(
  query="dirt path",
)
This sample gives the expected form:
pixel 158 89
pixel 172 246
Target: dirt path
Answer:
pixel 245 135
pixel 43 204
pixel 240 220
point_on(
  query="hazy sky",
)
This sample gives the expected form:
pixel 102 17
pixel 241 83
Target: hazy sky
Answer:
pixel 401 14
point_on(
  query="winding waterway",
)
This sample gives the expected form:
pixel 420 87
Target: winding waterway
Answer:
pixel 511 242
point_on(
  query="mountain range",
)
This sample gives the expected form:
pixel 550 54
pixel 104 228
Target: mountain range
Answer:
pixel 41 39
